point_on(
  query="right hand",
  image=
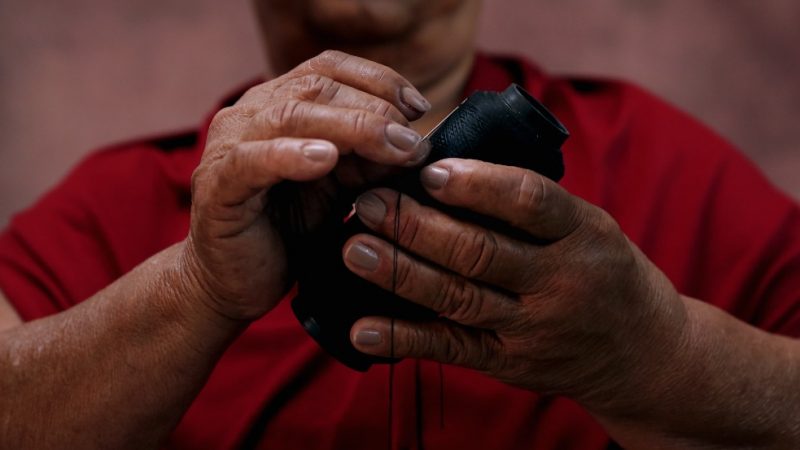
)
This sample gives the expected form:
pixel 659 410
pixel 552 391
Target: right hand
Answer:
pixel 335 120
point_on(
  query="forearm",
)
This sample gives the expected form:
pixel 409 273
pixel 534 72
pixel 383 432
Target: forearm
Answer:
pixel 116 371
pixel 728 385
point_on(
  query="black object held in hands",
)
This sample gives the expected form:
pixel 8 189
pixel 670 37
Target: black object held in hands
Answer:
pixel 510 128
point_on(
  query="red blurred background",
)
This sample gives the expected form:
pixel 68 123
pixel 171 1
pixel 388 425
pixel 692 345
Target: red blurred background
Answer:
pixel 80 74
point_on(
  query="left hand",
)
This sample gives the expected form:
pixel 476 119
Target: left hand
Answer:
pixel 577 310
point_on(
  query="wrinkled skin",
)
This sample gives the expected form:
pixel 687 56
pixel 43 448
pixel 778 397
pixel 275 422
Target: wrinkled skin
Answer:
pixel 325 124
pixel 575 310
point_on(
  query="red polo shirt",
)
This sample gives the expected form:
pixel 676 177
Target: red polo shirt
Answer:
pixel 696 207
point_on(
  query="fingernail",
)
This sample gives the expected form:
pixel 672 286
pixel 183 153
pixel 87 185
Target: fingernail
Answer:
pixel 434 177
pixel 368 337
pixel 415 100
pixel 423 150
pixel 316 151
pixel 370 208
pixel 362 256
pixel 401 137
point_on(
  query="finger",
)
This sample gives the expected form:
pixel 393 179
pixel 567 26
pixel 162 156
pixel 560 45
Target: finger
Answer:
pixel 522 198
pixel 253 166
pixel 440 341
pixel 360 74
pixel 327 91
pixel 450 295
pixel 369 135
pixel 467 249
pixel 368 76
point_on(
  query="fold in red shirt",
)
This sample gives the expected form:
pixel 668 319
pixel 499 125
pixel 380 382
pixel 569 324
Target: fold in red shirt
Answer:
pixel 696 207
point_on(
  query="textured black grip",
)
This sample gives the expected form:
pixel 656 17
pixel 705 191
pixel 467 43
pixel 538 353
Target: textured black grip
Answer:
pixel 484 127
pixel 460 135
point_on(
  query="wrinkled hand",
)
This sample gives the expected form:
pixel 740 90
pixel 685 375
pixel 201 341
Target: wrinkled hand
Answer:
pixel 577 310
pixel 334 111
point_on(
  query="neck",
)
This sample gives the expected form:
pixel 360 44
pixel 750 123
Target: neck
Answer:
pixel 445 93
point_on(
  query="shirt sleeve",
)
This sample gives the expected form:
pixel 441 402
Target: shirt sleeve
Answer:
pixel 750 248
pixel 729 235
pixel 114 210
pixel 53 255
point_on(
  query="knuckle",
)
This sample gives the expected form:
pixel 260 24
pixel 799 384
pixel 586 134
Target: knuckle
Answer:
pixel 332 55
pixel 223 120
pixel 372 71
pixel 281 117
pixel 595 231
pixel 327 60
pixel 359 122
pixel 247 110
pixel 531 193
pixel 231 121
pixel 384 108
pixel 405 277
pixel 389 111
pixel 381 73
pixel 459 301
pixel 315 87
pixel 416 343
pixel 601 221
pixel 224 113
pixel 408 230
pixel 473 253
pixel 453 348
pixel 307 85
pixel 451 345
pixel 580 218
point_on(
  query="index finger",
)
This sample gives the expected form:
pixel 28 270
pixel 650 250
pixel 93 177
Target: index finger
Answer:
pixel 368 76
pixel 522 198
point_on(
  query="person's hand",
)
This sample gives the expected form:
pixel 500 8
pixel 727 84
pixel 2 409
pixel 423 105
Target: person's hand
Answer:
pixel 334 111
pixel 575 310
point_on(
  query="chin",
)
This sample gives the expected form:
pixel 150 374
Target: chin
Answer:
pixel 356 20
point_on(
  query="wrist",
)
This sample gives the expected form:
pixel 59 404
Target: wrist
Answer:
pixel 651 355
pixel 727 385
pixel 660 389
pixel 195 300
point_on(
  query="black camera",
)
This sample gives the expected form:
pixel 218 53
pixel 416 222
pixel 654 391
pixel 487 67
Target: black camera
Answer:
pixel 510 128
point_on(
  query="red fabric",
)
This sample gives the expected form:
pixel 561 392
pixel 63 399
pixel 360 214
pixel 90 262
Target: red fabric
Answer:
pixel 698 209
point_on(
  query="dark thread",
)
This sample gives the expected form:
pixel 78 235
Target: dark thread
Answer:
pixel 396 236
